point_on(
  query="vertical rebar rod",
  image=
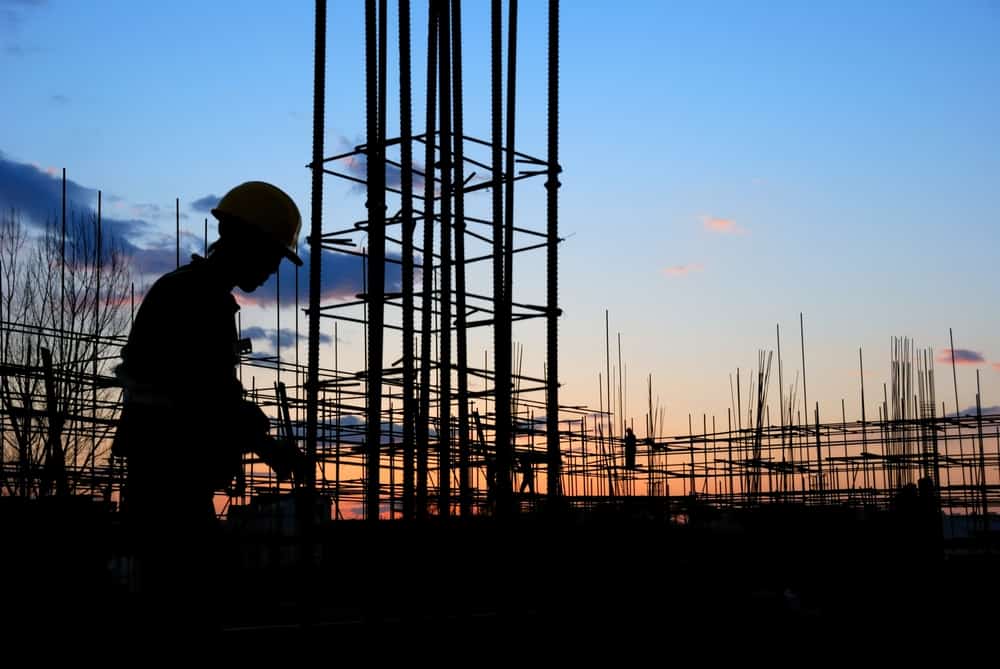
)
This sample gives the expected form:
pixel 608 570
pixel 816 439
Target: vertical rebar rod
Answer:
pixel 982 460
pixel 805 394
pixel 375 164
pixel 406 217
pixel 739 436
pixel 337 417
pixel 427 266
pixel 461 339
pixel 98 265
pixel 552 260
pixel 444 383
pixel 729 449
pixel 691 484
pixel 781 408
pixel 62 266
pixel 958 411
pixel 277 325
pixel 501 338
pixel 621 407
pixel 510 142
pixel 315 243
pixel 819 461
pixel 607 373
pixel 843 426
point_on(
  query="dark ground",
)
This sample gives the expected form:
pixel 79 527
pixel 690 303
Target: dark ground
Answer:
pixel 599 579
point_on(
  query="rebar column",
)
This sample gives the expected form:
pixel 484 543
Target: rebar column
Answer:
pixel 464 487
pixel 427 267
pixel 554 456
pixel 501 340
pixel 315 240
pixel 375 164
pixel 406 218
pixel 444 384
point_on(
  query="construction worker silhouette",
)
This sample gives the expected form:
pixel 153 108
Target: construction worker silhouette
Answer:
pixel 185 421
pixel 630 448
pixel 527 468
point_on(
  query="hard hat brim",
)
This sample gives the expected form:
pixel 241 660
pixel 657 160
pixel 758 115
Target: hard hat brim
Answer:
pixel 285 251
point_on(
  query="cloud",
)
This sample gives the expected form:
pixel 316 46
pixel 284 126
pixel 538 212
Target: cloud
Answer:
pixel 996 366
pixel 724 226
pixel 962 357
pixel 37 195
pixel 286 336
pixel 683 270
pixel 341 278
pixel 357 166
pixel 205 204
pixel 971 411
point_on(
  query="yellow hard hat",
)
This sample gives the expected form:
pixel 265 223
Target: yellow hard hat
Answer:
pixel 268 209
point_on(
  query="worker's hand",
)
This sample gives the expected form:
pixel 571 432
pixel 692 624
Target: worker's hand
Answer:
pixel 284 458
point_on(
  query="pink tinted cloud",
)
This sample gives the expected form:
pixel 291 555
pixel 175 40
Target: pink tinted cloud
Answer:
pixel 682 270
pixel 996 366
pixel 726 226
pixel 963 356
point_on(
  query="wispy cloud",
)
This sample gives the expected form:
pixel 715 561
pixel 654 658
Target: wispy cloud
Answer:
pixel 725 226
pixel 205 204
pixel 357 166
pixel 963 356
pixel 341 278
pixel 683 270
pixel 286 337
pixel 146 210
pixel 36 193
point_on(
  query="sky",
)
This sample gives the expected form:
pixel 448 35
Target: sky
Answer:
pixel 726 167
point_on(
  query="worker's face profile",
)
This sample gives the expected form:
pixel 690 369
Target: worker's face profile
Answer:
pixel 261 263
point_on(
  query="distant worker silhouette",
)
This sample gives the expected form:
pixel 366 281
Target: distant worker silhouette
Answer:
pixel 185 423
pixel 630 448
pixel 527 472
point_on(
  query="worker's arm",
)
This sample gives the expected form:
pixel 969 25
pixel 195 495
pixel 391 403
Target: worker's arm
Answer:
pixel 279 454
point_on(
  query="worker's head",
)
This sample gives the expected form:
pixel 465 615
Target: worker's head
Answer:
pixel 259 223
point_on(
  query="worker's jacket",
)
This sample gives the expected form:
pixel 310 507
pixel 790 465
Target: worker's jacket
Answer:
pixel 184 412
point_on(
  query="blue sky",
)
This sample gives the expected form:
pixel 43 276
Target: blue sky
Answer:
pixel 726 165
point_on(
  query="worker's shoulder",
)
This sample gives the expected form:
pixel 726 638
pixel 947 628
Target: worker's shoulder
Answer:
pixel 193 282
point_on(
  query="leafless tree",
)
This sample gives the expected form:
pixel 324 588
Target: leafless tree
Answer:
pixel 64 308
